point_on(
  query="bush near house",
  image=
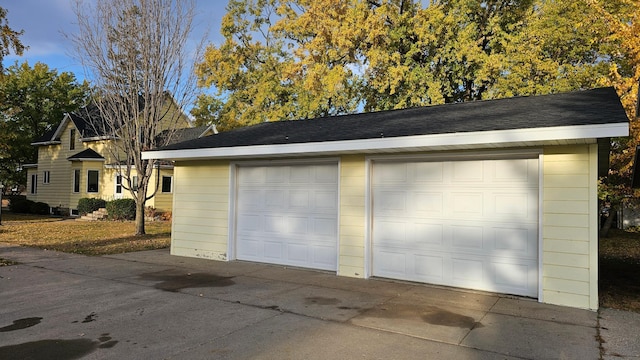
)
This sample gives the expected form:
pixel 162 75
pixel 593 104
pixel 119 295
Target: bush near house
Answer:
pixel 20 205
pixel 88 205
pixel 39 208
pixel 121 209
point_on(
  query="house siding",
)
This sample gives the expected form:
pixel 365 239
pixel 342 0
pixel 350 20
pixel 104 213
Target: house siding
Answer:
pixel 568 249
pixel 200 210
pixel 351 260
pixel 59 191
pixel 569 230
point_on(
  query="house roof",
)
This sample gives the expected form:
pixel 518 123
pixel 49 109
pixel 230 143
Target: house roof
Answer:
pixel 86 155
pixel 518 121
pixel 91 126
pixel 184 134
pixel 47 138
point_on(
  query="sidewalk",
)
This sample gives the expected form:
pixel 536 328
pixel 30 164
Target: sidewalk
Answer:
pixel 156 306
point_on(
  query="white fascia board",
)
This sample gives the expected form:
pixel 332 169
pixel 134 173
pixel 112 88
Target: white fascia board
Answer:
pixel 44 143
pixel 497 138
pixel 85 159
pixel 62 125
pixel 98 138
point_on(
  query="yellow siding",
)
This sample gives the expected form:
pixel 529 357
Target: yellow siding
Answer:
pixel 568 263
pixel 200 210
pixel 352 216
pixel 59 191
pixel 569 232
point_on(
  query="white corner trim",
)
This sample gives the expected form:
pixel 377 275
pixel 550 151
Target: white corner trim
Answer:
pixel 62 125
pixel 497 138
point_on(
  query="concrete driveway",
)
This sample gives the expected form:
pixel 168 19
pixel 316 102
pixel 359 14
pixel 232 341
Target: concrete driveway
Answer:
pixel 155 306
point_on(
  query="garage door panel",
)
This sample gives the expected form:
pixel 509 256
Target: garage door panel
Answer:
pixel 480 219
pixel 467 172
pixel 429 267
pixel 428 172
pixel 466 204
pixel 467 238
pixel 288 215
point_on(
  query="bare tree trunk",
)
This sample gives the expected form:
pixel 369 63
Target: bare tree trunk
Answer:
pixel 140 226
pixel 604 230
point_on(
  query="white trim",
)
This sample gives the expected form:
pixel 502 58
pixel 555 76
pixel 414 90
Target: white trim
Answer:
pixel 162 184
pixel 87 183
pixel 540 225
pixel 44 143
pixel 368 221
pixel 85 159
pixel 98 138
pixel 62 125
pixel 338 212
pixel 468 140
pixel 233 198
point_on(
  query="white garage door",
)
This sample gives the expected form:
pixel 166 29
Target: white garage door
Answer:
pixel 288 215
pixel 471 224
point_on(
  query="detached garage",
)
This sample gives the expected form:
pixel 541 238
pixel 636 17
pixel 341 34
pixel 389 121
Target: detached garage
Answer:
pixel 496 195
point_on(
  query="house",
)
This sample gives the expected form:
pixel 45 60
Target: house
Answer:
pixel 496 195
pixel 74 161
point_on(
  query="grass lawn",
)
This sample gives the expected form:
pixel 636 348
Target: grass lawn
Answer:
pixel 620 270
pixel 81 237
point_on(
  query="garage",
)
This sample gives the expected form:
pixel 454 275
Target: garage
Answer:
pixel 463 223
pixel 288 214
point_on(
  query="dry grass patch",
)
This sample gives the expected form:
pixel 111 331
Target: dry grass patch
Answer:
pixel 620 270
pixel 89 238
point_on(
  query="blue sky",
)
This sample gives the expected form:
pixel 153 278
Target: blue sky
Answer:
pixel 43 22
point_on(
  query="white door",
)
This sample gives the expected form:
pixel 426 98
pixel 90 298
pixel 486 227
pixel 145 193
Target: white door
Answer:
pixel 471 224
pixel 288 215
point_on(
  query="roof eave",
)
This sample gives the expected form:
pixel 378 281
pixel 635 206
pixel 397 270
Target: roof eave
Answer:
pixel 450 141
pixel 45 143
pixel 85 159
pixel 98 138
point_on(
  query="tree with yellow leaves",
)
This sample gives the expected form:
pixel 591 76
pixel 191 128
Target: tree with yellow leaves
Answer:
pixel 296 59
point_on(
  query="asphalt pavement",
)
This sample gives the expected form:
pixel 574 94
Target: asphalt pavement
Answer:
pixel 151 305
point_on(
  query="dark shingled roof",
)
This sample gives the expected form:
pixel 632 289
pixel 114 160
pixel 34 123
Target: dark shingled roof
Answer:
pixel 184 134
pixel 86 154
pixel 589 107
pixel 48 136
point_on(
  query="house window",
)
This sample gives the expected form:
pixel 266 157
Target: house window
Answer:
pixel 34 183
pixel 134 183
pixel 46 177
pixel 166 184
pixel 118 184
pixel 76 181
pixel 72 139
pixel 92 181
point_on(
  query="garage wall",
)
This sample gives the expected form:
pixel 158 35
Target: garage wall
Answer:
pixel 200 209
pixel 352 216
pixel 570 243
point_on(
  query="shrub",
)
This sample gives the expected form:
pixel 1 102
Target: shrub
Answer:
pixel 121 209
pixel 40 208
pixel 20 204
pixel 88 205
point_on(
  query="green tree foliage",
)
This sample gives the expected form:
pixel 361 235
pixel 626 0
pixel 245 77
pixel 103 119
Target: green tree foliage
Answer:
pixel 622 18
pixel 32 101
pixel 9 38
pixel 292 59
